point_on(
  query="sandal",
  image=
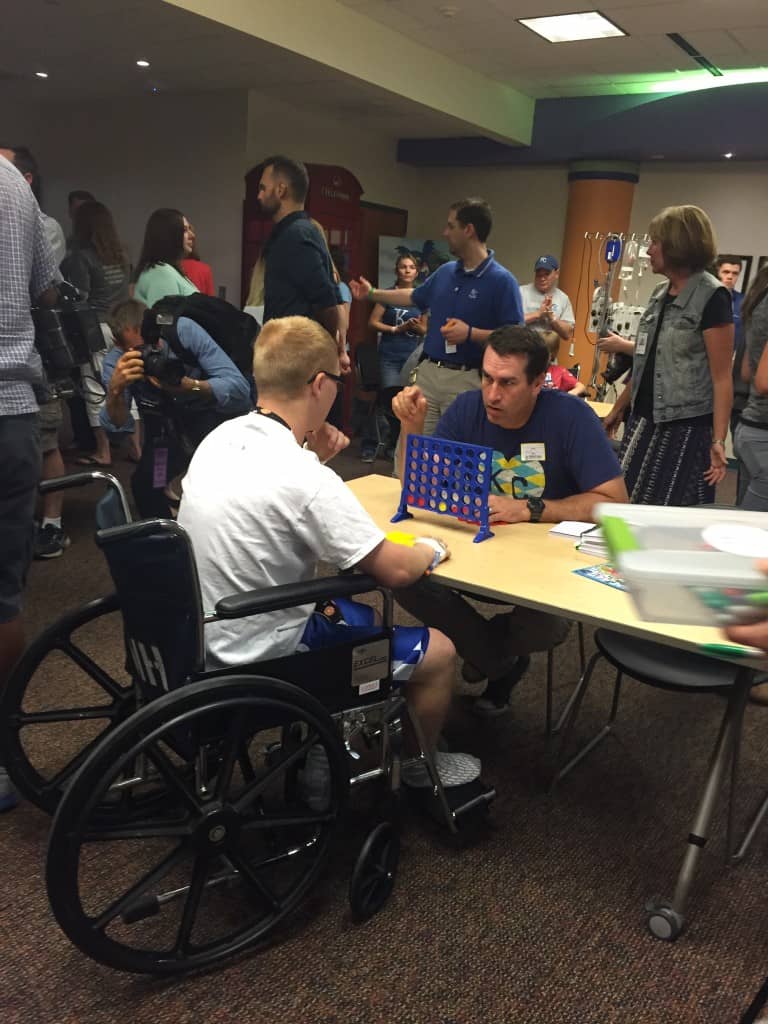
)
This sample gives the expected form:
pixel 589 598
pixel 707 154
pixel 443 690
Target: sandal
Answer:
pixel 91 460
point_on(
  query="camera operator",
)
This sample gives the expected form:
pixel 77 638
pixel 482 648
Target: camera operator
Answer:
pixel 27 268
pixel 180 401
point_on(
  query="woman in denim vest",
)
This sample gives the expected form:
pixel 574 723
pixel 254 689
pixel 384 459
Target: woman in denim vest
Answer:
pixel 673 452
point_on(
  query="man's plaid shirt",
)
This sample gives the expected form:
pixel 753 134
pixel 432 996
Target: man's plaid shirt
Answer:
pixel 27 268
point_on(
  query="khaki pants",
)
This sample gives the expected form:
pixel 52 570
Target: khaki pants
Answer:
pixel 491 645
pixel 441 386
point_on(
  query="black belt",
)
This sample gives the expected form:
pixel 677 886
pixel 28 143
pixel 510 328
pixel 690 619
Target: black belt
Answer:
pixel 448 366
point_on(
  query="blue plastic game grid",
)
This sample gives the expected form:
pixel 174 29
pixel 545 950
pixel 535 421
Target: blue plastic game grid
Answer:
pixel 449 478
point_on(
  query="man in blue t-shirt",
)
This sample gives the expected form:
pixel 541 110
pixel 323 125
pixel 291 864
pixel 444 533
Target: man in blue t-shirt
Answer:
pixel 551 461
pixel 467 299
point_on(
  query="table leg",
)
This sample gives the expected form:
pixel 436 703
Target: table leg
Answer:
pixel 666 919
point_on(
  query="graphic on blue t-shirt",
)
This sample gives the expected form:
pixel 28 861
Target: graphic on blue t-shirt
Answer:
pixel 517 478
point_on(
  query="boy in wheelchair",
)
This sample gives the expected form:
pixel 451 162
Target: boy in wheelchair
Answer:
pixel 262 509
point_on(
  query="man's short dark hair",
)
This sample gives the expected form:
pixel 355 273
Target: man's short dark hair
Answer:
pixel 80 195
pixel 728 258
pixel 514 340
pixel 293 172
pixel 24 161
pixel 474 211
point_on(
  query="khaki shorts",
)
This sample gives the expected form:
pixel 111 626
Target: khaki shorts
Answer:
pixel 51 418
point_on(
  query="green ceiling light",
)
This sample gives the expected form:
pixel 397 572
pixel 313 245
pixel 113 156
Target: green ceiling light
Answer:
pixel 569 28
pixel 696 81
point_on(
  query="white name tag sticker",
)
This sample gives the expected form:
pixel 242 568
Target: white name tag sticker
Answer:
pixel 533 452
pixel 449 349
pixel 642 343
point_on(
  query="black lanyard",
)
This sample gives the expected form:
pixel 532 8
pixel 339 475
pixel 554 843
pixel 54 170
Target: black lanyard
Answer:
pixel 272 416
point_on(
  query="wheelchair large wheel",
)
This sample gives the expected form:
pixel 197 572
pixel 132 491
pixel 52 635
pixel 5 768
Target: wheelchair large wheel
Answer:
pixel 221 864
pixel 59 703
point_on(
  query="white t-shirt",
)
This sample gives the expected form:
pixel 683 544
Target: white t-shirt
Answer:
pixel 533 298
pixel 262 511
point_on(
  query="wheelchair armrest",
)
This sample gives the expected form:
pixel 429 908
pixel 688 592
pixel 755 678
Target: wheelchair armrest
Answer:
pixel 63 483
pixel 288 595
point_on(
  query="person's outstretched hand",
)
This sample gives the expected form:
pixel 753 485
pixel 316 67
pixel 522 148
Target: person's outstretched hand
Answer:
pixel 361 288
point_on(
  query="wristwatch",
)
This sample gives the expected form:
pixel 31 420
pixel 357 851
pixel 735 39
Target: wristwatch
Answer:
pixel 195 386
pixel 535 507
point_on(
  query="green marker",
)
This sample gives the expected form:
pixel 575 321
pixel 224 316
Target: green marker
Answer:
pixel 760 597
pixel 732 650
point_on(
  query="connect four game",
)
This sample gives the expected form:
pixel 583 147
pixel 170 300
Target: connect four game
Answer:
pixel 447 477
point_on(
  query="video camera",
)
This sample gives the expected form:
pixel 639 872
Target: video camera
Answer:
pixel 66 336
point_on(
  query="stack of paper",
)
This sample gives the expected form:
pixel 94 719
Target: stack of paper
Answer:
pixel 592 542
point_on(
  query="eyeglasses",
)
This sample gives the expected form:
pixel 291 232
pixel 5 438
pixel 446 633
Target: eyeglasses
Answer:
pixel 333 376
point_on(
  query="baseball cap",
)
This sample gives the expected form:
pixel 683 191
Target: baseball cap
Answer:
pixel 546 263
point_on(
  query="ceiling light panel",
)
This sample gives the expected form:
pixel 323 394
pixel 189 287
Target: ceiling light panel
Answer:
pixel 569 28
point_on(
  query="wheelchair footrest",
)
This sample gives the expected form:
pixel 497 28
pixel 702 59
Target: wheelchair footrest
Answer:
pixel 463 804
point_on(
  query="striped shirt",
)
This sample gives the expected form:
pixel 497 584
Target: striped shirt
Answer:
pixel 27 269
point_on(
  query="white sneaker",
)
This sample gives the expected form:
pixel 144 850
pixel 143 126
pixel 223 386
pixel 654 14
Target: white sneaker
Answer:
pixel 452 770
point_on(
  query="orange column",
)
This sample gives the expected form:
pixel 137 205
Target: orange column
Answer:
pixel 600 195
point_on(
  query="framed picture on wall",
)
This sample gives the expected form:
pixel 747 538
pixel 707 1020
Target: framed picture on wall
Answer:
pixel 429 254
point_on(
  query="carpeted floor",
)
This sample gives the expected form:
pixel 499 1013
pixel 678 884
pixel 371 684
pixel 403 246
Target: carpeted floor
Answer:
pixel 541 921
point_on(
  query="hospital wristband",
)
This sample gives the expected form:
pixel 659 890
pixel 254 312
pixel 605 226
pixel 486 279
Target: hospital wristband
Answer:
pixel 439 549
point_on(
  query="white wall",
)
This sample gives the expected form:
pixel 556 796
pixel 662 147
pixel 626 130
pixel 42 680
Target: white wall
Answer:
pixel 529 203
pixel 735 197
pixel 192 152
pixel 142 153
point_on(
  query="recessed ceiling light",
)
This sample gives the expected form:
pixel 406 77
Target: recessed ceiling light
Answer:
pixel 142 63
pixel 41 74
pixel 728 156
pixel 567 28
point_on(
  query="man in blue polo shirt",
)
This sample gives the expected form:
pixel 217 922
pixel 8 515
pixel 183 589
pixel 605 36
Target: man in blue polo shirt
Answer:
pixel 467 300
pixel 551 461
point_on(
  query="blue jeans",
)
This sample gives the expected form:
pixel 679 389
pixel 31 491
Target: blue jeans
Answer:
pixel 751 447
pixel 393 352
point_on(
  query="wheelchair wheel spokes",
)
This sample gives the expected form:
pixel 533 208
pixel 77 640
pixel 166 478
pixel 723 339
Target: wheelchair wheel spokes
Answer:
pixel 59 703
pixel 231 851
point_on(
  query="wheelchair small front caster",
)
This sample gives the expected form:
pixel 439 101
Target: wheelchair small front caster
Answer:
pixel 663 922
pixel 375 870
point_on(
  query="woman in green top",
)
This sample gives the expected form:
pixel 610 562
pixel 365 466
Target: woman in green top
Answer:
pixel 159 271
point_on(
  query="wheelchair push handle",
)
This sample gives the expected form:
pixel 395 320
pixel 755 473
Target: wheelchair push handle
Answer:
pixel 64 483
pixel 289 595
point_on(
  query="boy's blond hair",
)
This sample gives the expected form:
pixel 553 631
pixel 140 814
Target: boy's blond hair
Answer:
pixel 287 352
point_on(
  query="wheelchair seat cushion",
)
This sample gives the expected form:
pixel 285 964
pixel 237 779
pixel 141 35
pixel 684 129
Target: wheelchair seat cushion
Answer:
pixel 344 621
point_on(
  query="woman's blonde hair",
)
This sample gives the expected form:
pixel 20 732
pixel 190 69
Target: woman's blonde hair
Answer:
pixel 287 352
pixel 256 290
pixel 324 236
pixel 686 236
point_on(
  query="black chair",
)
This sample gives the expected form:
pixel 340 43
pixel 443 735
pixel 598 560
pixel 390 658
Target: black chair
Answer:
pixel 670 668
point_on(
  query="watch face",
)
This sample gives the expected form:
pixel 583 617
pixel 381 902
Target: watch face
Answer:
pixel 536 507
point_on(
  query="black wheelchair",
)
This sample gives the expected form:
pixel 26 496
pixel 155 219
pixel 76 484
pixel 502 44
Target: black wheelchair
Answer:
pixel 185 828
